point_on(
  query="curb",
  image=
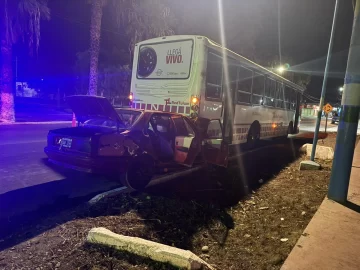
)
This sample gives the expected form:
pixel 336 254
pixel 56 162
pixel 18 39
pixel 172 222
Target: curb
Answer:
pixel 34 123
pixel 184 259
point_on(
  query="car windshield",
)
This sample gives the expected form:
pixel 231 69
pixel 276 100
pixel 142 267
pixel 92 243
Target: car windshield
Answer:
pixel 127 117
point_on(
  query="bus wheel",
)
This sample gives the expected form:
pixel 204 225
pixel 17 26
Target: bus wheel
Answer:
pixel 290 128
pixel 253 136
pixel 289 131
pixel 139 173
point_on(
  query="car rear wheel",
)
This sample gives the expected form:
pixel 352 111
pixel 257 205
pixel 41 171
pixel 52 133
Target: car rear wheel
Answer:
pixel 139 173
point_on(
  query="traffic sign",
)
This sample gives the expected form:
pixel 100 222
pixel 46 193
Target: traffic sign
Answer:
pixel 327 108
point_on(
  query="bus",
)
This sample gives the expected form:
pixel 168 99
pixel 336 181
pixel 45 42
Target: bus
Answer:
pixel 195 76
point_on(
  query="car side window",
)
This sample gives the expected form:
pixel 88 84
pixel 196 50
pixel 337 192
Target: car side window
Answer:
pixel 180 126
pixel 190 130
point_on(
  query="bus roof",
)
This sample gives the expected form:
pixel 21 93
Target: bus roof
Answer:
pixel 220 48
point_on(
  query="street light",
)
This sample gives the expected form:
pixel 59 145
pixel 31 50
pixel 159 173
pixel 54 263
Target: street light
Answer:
pixel 281 69
pixel 341 89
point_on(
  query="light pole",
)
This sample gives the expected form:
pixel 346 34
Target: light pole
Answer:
pixel 349 117
pixel 323 90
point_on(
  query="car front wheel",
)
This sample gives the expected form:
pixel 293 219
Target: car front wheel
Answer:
pixel 139 173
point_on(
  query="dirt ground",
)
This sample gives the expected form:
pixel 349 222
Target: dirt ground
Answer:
pixel 254 228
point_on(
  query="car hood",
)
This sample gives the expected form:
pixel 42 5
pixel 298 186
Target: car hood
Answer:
pixel 87 107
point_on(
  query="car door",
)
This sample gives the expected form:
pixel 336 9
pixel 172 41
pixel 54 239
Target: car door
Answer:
pixel 215 149
pixel 187 144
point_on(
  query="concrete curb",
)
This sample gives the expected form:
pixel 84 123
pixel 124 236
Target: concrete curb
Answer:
pixel 109 193
pixel 183 259
pixel 34 123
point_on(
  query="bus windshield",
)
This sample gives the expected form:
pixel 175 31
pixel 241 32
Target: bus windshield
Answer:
pixel 165 60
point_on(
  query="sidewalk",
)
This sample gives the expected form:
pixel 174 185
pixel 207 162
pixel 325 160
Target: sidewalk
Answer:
pixel 35 123
pixel 332 238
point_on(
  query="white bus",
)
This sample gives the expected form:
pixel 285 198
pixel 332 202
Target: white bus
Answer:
pixel 185 74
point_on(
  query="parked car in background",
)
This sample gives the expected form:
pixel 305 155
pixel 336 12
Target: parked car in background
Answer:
pixel 335 117
pixel 131 144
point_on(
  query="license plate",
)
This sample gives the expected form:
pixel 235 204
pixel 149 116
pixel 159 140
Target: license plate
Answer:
pixel 65 142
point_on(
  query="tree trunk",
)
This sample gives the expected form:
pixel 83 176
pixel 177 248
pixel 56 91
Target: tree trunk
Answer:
pixel 95 34
pixel 7 112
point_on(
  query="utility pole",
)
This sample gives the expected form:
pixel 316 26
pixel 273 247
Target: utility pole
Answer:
pixel 323 90
pixel 349 117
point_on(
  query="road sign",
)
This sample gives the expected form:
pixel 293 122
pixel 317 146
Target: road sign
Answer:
pixel 327 108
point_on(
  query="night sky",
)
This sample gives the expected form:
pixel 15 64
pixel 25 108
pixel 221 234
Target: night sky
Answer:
pixel 305 32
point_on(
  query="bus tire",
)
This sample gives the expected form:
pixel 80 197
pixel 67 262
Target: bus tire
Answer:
pixel 253 135
pixel 288 131
pixel 139 173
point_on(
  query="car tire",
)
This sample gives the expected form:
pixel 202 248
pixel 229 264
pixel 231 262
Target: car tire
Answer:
pixel 332 122
pixel 139 173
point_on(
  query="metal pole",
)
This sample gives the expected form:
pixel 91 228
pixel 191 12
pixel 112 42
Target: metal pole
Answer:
pixel 323 90
pixel 349 117
pixel 326 119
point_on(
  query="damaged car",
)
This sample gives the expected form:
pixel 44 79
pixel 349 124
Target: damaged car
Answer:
pixel 132 145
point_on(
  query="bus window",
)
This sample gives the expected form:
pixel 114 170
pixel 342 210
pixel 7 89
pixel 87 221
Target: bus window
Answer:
pixel 270 89
pixel 293 98
pixel 213 77
pixel 287 94
pixel 279 95
pixel 245 79
pixel 233 73
pixel 258 89
pixel 244 85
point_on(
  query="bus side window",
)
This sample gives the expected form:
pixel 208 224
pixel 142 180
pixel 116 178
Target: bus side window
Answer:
pixel 280 95
pixel 258 89
pixel 293 99
pixel 214 77
pixel 245 85
pixel 270 89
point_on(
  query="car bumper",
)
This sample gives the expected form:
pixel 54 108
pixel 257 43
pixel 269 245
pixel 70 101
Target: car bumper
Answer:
pixel 87 164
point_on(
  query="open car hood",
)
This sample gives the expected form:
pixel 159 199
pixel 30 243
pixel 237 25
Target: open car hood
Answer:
pixel 88 107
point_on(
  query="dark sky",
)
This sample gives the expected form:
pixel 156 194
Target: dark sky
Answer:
pixel 305 32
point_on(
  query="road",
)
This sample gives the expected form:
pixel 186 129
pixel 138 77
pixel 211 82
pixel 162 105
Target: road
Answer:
pixel 27 181
pixel 308 124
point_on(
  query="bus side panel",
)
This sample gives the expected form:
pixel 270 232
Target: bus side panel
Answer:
pixel 273 122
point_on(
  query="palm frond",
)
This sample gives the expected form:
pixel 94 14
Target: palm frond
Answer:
pixel 25 21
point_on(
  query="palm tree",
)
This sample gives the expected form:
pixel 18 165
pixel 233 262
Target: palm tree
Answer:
pixel 95 34
pixel 141 21
pixel 19 19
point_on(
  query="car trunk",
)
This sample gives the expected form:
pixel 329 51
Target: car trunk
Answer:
pixel 82 140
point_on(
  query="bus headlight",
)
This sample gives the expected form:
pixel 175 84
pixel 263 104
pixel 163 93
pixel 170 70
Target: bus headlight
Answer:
pixel 194 102
pixel 131 98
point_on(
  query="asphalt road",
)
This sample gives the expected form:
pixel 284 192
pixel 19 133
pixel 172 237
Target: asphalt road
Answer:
pixel 27 181
pixel 308 124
